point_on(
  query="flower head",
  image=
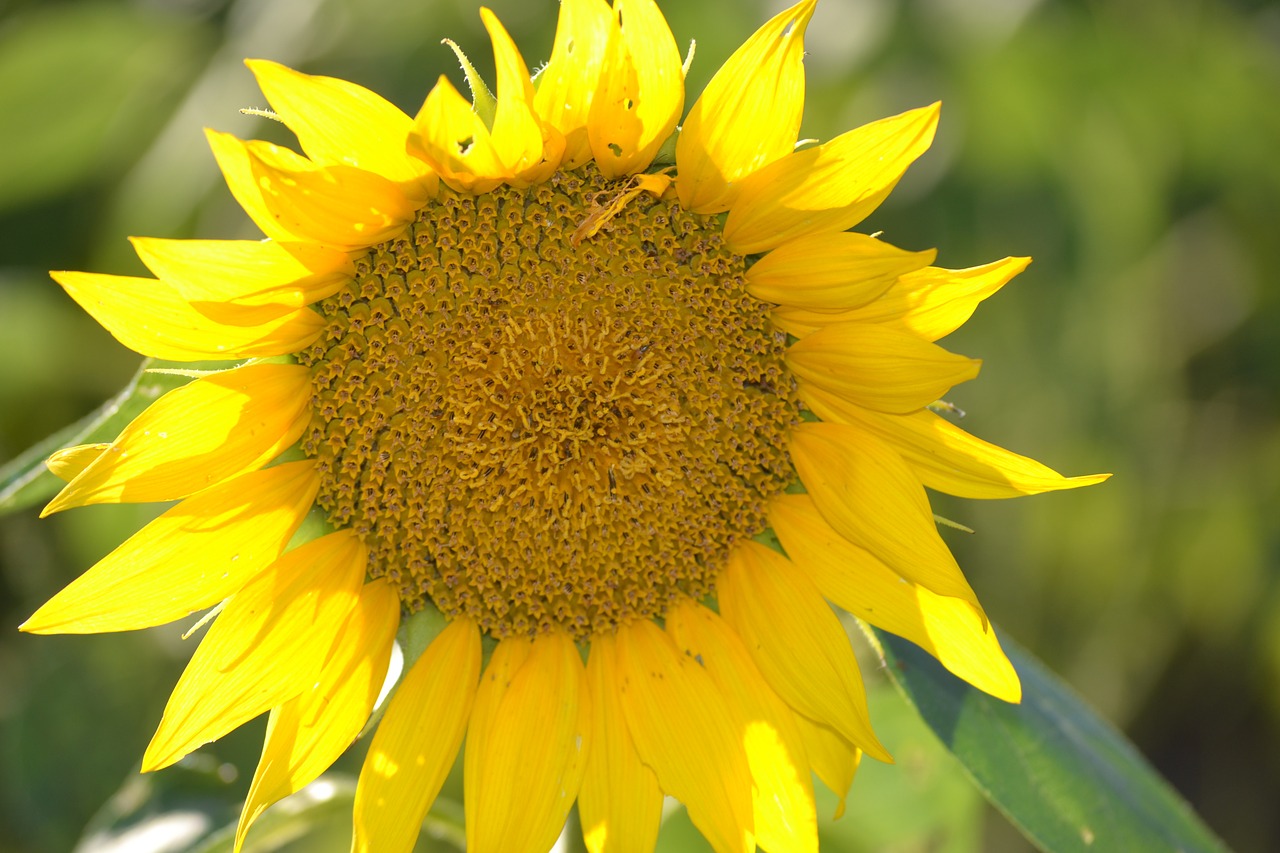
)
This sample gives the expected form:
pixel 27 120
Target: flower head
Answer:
pixel 619 430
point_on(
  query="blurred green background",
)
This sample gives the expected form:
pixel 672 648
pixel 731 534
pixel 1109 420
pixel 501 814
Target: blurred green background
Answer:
pixel 1132 147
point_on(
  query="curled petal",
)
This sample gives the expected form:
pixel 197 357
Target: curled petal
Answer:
pixel 340 123
pixel 529 150
pixel 834 759
pixel 748 116
pixel 829 188
pixel 641 90
pixel 290 198
pixel 930 302
pixel 66 464
pixel 453 140
pixel 568 83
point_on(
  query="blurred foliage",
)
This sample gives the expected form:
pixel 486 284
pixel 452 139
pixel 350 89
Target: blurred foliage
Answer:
pixel 1129 146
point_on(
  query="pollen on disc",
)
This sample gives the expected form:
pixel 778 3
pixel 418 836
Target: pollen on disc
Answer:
pixel 549 433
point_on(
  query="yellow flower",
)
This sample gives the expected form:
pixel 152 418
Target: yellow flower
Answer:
pixel 563 399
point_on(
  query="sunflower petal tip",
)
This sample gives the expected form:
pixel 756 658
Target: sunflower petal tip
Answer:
pixel 216 138
pixel 60 502
pixel 261 69
pixel 152 759
pixel 877 750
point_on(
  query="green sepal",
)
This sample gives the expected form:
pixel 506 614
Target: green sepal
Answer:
pixel 769 539
pixel 482 99
pixel 666 155
pixel 418 631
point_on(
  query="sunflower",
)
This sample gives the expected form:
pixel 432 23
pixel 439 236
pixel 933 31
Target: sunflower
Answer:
pixel 614 420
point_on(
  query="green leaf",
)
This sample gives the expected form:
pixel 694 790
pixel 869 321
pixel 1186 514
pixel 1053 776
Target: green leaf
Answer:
pixel 1061 774
pixel 25 481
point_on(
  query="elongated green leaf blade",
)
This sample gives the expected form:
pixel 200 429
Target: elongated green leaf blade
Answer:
pixel 25 481
pixel 1063 775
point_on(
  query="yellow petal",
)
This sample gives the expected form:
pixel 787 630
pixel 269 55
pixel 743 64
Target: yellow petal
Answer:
pixel 197 436
pixel 945 457
pixel 829 188
pixel 195 555
pixel 245 282
pixel 797 642
pixel 785 818
pixel 232 156
pixel 867 493
pixel 747 117
pixel 620 803
pixel 568 83
pixel 934 302
pixel 454 142
pixel 931 302
pixel 150 317
pixel 878 367
pixel 834 759
pixel 417 742
pixel 309 732
pixel 340 123
pixel 290 198
pixel 641 90
pixel 677 715
pixel 265 648
pixel 526 745
pixel 530 152
pixel 831 271
pixel 66 464
pixel 803 322
pixel 948 628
